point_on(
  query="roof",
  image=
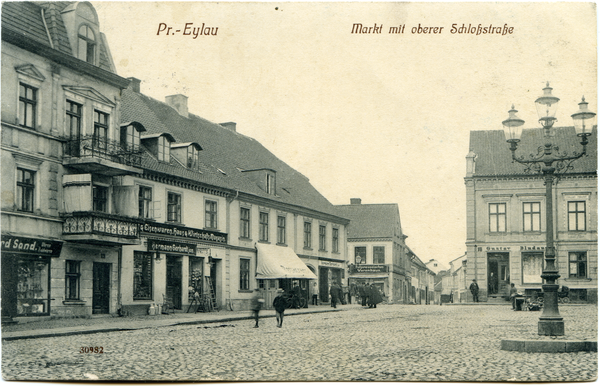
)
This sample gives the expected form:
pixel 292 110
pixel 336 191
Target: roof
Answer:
pixel 370 220
pixel 26 19
pixel 494 157
pixel 225 154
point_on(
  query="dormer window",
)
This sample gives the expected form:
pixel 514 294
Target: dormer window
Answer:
pixel 270 184
pixel 164 149
pixel 130 135
pixel 87 44
pixel 193 157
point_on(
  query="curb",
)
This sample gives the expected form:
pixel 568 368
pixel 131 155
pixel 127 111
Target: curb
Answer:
pixel 49 334
pixel 548 346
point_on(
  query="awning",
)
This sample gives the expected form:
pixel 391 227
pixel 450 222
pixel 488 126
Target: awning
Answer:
pixel 277 262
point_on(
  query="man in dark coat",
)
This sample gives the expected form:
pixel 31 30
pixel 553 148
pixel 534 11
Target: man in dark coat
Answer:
pixel 334 294
pixel 474 291
pixel 374 296
pixel 362 291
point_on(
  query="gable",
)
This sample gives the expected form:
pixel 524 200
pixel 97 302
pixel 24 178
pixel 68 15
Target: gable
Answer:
pixel 89 93
pixel 31 71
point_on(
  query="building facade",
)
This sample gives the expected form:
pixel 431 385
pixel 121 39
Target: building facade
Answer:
pixel 506 216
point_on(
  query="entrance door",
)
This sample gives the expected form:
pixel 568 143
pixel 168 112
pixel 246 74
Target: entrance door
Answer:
pixel 498 274
pixel 324 284
pixel 174 280
pixel 101 288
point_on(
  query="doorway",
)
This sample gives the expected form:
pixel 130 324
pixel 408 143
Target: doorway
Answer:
pixel 101 288
pixel 174 280
pixel 498 274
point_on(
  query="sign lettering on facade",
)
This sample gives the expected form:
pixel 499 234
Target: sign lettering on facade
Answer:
pixel 190 233
pixel 330 264
pixel 171 247
pixel 371 268
pixel 15 244
pixel 513 248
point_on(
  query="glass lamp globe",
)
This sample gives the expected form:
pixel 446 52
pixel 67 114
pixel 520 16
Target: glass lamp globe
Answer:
pixel 583 119
pixel 546 107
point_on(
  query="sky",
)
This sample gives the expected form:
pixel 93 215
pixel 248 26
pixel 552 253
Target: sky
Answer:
pixel 378 116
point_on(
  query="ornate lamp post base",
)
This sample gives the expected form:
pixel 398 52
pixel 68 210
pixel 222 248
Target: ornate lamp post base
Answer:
pixel 551 326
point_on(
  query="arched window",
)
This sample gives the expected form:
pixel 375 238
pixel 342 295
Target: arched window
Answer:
pixel 87 44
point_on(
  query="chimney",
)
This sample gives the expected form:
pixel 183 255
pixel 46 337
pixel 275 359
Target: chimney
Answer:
pixel 355 201
pixel 134 83
pixel 179 103
pixel 229 125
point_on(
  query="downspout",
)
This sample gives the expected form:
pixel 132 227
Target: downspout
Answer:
pixel 47 30
pixel 229 201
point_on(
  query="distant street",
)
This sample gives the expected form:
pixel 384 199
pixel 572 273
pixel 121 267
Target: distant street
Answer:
pixel 389 343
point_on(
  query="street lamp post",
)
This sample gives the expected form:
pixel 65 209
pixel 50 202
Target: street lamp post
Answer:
pixel 549 160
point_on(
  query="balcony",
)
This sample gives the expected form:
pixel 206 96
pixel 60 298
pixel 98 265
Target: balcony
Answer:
pixel 98 155
pixel 101 228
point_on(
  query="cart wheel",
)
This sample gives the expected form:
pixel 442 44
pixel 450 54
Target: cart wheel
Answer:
pixel 565 299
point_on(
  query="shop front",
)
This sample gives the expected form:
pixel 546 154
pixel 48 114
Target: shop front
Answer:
pixel 26 269
pixel 367 274
pixel 330 272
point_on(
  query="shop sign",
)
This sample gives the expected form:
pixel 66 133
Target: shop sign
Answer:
pixel 330 264
pixel 179 231
pixel 370 268
pixel 15 244
pixel 171 247
pixel 509 248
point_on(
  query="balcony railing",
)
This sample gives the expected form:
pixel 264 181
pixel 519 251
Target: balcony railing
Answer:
pixel 105 224
pixel 96 147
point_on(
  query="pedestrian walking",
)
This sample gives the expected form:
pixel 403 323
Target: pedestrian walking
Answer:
pixel 279 304
pixel 256 305
pixel 474 288
pixel 334 294
pixel 315 296
pixel 374 296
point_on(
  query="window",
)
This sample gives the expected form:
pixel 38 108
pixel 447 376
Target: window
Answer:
pixel 193 157
pixel 33 286
pixel 307 235
pixel 145 202
pixel 142 275
pixel 576 212
pixel 100 138
pixel 263 226
pixel 281 229
pixel 577 265
pixel 164 149
pixel 74 128
pixel 244 274
pixel 360 255
pixel 100 201
pixel 210 220
pixel 130 138
pixel 174 207
pixel 531 217
pixel 27 105
pixel 378 255
pixel 25 189
pixel 532 267
pixel 87 44
pixel 335 240
pixel 270 183
pixel 245 223
pixel 72 274
pixel 497 217
pixel 322 235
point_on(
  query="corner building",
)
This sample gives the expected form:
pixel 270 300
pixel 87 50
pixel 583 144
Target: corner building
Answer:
pixel 506 217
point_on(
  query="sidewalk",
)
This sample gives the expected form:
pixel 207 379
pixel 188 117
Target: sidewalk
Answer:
pixel 78 326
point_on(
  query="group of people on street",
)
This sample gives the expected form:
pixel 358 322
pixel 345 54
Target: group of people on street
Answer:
pixel 369 295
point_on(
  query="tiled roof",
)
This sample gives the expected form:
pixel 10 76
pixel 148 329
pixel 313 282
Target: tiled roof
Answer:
pixel 224 153
pixel 26 19
pixel 370 220
pixel 494 157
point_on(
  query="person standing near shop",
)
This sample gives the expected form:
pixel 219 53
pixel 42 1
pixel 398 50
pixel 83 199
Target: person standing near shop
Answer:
pixel 279 304
pixel 333 293
pixel 315 294
pixel 474 288
pixel 256 305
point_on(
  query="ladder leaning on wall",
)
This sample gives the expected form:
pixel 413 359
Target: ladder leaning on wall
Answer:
pixel 211 293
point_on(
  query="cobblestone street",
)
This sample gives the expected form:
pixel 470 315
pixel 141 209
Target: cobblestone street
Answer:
pixel 389 343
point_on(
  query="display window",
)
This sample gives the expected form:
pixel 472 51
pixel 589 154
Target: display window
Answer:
pixel 33 287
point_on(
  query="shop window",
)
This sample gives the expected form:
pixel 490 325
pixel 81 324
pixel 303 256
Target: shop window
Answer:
pixel 210 220
pixel 195 277
pixel 335 240
pixel 100 137
pixel 307 235
pixel 142 276
pixel 281 230
pixel 531 217
pixel 27 105
pixel 25 189
pixel 33 287
pixel 360 255
pixel 72 276
pixel 576 213
pixel 497 217
pixel 532 267
pixel 174 207
pixel 244 274
pixel 263 226
pixel 87 44
pixel 378 255
pixel 322 238
pixel 577 265
pixel 145 202
pixel 74 113
pixel 245 223
pixel 100 201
